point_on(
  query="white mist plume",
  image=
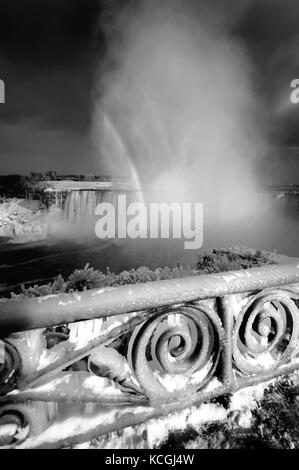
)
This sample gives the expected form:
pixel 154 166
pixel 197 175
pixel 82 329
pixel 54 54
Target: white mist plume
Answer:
pixel 176 110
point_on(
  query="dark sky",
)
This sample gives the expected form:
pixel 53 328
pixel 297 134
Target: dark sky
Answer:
pixel 49 50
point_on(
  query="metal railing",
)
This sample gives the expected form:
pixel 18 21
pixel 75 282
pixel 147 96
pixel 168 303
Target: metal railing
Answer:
pixel 136 352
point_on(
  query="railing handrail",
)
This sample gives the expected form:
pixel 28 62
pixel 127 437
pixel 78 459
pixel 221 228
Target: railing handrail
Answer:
pixel 50 310
pixel 225 345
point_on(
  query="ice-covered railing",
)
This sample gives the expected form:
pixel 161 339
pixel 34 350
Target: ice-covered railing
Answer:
pixel 131 353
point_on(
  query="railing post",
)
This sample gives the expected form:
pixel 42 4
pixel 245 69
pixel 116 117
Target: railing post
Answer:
pixel 225 308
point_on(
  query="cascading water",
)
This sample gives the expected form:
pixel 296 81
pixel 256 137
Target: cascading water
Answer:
pixel 58 200
pixel 72 206
pixel 80 205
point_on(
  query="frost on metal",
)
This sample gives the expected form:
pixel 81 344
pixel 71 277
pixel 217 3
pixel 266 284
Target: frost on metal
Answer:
pixel 126 355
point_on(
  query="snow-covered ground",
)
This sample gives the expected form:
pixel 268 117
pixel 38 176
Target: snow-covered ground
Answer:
pixel 23 220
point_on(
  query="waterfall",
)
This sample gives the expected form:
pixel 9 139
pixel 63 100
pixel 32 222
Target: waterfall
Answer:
pixel 80 205
pixel 58 200
pixel 72 206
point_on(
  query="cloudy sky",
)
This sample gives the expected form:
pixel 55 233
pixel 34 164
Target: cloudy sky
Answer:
pixel 50 49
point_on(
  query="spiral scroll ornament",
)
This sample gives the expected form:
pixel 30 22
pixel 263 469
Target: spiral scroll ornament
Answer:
pixel 266 331
pixel 19 421
pixel 176 351
pixel 10 365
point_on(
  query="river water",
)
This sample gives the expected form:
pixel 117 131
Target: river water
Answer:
pixel 39 262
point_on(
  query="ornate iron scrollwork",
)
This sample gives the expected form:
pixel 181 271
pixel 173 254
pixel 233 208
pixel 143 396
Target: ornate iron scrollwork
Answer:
pixel 9 368
pixel 176 351
pixel 25 420
pixel 130 354
pixel 266 331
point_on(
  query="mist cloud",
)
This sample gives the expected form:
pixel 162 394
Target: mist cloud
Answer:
pixel 176 105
